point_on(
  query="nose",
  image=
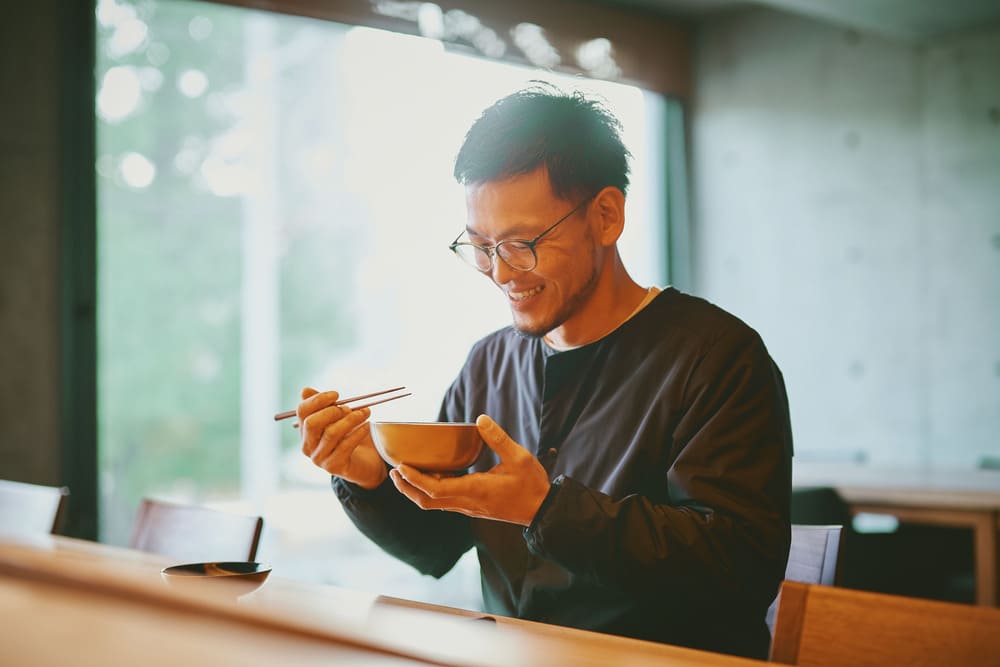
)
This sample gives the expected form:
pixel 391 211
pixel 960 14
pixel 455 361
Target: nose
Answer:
pixel 500 273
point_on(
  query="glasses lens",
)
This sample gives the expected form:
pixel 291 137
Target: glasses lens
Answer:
pixel 474 256
pixel 517 254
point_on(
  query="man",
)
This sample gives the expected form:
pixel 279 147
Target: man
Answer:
pixel 638 477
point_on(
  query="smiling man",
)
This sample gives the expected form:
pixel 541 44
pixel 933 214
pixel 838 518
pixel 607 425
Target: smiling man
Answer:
pixel 639 467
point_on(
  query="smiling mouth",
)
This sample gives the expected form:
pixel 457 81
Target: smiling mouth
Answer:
pixel 527 294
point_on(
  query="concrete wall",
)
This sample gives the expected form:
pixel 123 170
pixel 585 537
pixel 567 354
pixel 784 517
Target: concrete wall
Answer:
pixel 847 205
pixel 29 246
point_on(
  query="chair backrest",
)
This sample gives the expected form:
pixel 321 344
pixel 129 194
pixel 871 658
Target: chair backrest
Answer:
pixel 189 533
pixel 824 625
pixel 30 508
pixel 812 559
pixel 818 506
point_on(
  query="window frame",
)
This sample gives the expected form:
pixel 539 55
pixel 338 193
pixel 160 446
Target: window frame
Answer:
pixel 652 52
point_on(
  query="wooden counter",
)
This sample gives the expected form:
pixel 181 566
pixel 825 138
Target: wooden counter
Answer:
pixel 68 601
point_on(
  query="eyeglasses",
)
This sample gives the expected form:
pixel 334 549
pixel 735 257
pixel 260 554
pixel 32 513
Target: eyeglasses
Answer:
pixel 518 254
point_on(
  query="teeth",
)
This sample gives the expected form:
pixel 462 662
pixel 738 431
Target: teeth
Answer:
pixel 518 296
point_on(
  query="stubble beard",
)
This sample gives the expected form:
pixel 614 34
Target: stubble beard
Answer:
pixel 568 309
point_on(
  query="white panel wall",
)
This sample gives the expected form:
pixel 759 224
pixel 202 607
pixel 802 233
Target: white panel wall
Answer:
pixel 847 206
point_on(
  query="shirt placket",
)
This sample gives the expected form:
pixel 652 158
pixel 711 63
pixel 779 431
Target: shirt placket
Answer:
pixel 560 373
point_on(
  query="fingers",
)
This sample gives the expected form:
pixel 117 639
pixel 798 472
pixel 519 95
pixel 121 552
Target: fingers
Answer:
pixel 304 394
pixel 434 485
pixel 314 426
pixel 416 494
pixel 314 401
pixel 332 435
pixel 313 413
pixel 427 484
pixel 339 441
pixel 497 439
pixel 420 497
pixel 413 493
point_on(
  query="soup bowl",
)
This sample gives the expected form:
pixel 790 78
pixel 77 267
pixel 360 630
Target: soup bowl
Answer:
pixel 439 447
pixel 225 578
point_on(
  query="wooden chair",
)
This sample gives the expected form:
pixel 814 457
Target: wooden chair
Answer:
pixel 189 533
pixel 812 559
pixel 823 625
pixel 30 508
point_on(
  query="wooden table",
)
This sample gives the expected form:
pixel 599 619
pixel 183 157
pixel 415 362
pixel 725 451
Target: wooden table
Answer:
pixel 68 601
pixel 963 499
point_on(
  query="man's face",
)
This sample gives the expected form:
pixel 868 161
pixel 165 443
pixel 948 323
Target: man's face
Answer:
pixel 521 208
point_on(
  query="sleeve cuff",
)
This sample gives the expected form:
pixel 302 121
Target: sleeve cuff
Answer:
pixel 349 492
pixel 534 532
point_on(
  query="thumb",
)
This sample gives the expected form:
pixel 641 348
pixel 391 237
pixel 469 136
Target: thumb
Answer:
pixel 307 392
pixel 496 438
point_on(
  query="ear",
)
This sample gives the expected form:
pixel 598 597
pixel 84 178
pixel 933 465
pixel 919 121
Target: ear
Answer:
pixel 610 206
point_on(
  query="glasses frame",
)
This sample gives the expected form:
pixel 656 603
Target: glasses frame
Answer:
pixel 491 250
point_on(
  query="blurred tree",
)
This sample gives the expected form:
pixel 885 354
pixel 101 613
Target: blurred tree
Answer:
pixel 171 93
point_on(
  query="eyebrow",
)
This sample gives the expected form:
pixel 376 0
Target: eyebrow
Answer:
pixel 517 233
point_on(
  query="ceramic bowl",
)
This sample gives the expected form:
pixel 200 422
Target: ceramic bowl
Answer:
pixel 230 578
pixel 429 446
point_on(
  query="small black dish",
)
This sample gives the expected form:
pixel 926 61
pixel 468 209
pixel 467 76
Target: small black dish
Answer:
pixel 233 578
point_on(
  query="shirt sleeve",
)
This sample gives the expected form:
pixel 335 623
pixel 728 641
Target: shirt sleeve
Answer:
pixel 431 541
pixel 725 530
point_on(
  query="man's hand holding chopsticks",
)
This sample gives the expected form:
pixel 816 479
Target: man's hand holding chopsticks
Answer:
pixel 338 440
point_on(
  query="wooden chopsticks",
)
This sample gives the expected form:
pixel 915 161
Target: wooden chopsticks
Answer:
pixel 291 413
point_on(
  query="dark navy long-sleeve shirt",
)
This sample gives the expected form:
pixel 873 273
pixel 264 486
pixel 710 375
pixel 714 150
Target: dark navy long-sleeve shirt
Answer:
pixel 668 444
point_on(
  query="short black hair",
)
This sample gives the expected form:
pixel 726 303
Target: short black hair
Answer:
pixel 575 137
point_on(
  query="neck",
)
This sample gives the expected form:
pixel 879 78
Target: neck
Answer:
pixel 613 301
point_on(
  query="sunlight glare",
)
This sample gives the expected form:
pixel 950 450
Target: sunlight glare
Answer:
pixel 137 171
pixel 225 178
pixel 120 93
pixel 150 78
pixel 110 14
pixel 200 28
pixel 129 36
pixel 157 54
pixel 192 83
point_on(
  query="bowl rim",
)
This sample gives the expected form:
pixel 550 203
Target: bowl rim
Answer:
pixel 404 423
pixel 177 570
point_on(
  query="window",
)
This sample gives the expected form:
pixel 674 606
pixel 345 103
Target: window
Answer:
pixel 275 203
